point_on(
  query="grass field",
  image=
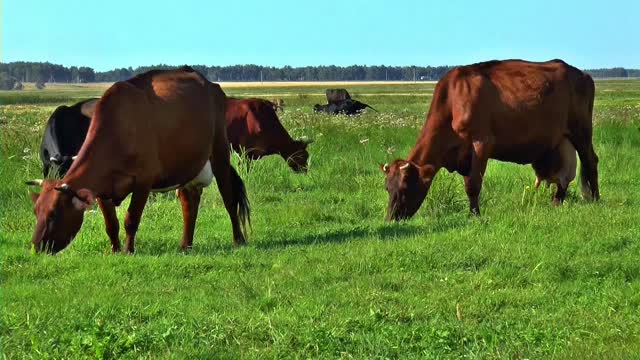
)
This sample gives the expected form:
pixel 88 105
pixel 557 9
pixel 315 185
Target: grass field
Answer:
pixel 323 275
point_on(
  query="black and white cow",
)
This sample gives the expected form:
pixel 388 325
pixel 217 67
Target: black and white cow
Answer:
pixel 63 136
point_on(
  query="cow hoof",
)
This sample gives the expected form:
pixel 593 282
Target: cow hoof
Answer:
pixel 237 243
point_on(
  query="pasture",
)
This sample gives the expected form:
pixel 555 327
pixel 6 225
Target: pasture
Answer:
pixel 323 275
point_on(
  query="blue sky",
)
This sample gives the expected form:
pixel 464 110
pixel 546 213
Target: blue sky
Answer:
pixel 105 34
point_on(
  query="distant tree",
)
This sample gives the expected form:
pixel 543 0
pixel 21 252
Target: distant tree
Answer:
pixel 7 82
pixel 86 74
pixel 73 72
pixel 46 72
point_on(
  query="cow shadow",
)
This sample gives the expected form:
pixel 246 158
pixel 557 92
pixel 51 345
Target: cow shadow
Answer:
pixel 339 236
pixel 383 232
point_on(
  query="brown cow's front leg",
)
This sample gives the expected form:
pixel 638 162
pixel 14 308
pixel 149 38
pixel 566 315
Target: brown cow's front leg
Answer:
pixel 473 182
pixel 132 219
pixel 111 223
pixel 190 200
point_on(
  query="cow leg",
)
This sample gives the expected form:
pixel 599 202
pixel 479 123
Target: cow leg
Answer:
pixel 132 219
pixel 225 174
pixel 190 200
pixel 582 140
pixel 560 194
pixel 111 223
pixel 473 182
pixel 588 171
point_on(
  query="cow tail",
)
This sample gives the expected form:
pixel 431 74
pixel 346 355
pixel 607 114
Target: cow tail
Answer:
pixel 240 194
pixel 589 161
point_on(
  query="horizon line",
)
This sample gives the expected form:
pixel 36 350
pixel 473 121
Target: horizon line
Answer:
pixel 292 66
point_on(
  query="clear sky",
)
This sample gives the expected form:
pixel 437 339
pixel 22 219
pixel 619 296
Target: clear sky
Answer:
pixel 105 34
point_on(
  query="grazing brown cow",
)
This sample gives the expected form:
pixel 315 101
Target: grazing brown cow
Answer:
pixel 512 110
pixel 253 126
pixel 157 131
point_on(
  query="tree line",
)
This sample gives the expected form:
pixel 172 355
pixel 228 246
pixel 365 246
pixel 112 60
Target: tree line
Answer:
pixel 289 73
pixel 43 72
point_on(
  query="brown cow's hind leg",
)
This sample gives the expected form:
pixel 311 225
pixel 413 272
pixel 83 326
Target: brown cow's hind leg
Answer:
pixel 589 173
pixel 132 219
pixel 222 170
pixel 560 194
pixel 111 223
pixel 588 166
pixel 190 200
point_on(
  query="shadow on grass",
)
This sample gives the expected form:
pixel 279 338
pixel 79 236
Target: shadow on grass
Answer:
pixel 382 232
pixel 385 232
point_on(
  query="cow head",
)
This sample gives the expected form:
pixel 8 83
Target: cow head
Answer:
pixel 298 156
pixel 407 185
pixel 59 213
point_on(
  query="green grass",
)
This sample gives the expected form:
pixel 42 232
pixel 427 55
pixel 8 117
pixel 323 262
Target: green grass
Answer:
pixel 323 275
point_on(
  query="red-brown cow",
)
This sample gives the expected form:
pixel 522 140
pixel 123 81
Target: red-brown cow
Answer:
pixel 253 126
pixel 512 110
pixel 157 131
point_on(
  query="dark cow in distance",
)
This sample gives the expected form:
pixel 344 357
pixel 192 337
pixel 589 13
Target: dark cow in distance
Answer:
pixel 253 127
pixel 347 107
pixel 340 102
pixel 161 130
pixel 335 96
pixel 514 110
pixel 64 133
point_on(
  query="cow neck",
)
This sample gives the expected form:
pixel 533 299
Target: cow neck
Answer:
pixel 88 172
pixel 427 150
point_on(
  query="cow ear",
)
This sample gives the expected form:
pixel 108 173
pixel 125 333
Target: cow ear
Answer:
pixel 84 199
pixel 34 196
pixel 426 172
